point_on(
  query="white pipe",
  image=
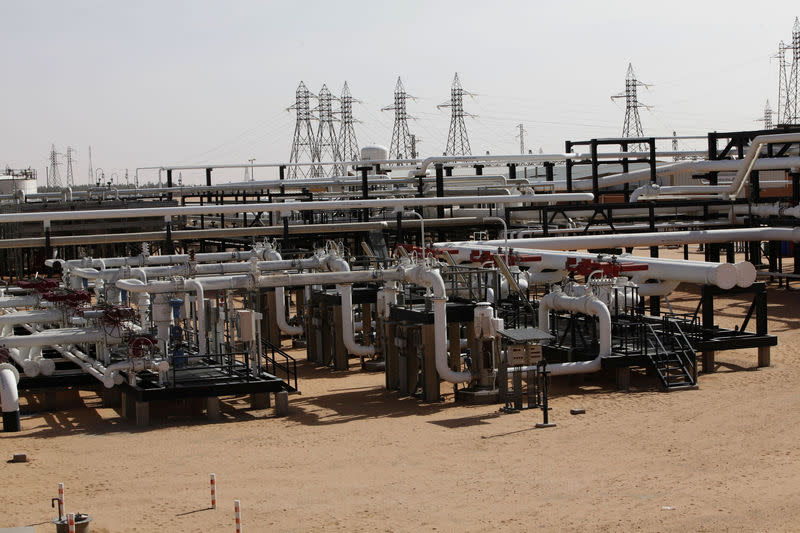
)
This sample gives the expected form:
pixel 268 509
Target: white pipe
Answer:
pixel 723 275
pixel 193 284
pixel 348 335
pixel 94 369
pixel 664 238
pixel 661 288
pixel 60 336
pixel 540 278
pixel 588 305
pixel 280 314
pixel 9 396
pixel 433 280
pixel 19 301
pixel 753 152
pixel 421 229
pixel 654 190
pixel 38 316
pixel 29 367
pixel 284 209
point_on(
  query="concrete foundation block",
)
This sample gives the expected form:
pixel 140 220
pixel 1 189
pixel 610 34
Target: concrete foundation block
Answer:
pixel 111 397
pixel 763 356
pixel 259 400
pixel 282 403
pixel 623 378
pixel 212 408
pixel 142 413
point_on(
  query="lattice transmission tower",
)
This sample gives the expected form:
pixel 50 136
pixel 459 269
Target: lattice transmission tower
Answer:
pixel 633 124
pixel 327 144
pixel 303 142
pixel 521 137
pixel 53 174
pixel 767 118
pixel 70 159
pixel 348 144
pixel 783 86
pixel 790 115
pixel 457 138
pixel 401 146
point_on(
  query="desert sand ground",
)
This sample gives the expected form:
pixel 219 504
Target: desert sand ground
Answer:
pixel 354 457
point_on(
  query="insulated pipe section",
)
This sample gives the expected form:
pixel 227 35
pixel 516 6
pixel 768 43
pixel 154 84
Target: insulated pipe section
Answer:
pixel 60 336
pixel 664 238
pixel 19 301
pixel 348 335
pixel 587 305
pixel 193 284
pixel 93 368
pixel 723 275
pixel 9 397
pixel 753 152
pixel 283 323
pixel 44 316
pixel 285 209
pixel 660 288
pixel 433 280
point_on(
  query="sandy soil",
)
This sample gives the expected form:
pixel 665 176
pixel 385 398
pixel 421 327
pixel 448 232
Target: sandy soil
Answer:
pixel 354 457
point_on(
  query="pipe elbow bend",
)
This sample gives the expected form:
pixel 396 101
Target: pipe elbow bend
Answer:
pixel 131 285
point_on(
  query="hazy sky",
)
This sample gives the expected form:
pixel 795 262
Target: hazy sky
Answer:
pixel 164 82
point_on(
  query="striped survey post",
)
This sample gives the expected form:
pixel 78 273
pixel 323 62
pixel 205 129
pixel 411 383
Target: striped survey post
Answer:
pixel 238 514
pixel 213 491
pixel 61 497
pixel 71 522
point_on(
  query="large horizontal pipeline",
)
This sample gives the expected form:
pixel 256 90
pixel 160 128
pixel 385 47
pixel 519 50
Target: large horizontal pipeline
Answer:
pixel 653 239
pixel 255 187
pixel 286 208
pixel 255 231
pixel 424 163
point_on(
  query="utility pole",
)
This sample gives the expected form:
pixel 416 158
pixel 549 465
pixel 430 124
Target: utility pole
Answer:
pixel 633 124
pixel 457 139
pixel 400 146
pixel 521 138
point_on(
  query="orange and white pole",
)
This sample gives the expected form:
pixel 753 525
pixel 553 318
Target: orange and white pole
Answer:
pixel 61 497
pixel 213 491
pixel 71 522
pixel 238 514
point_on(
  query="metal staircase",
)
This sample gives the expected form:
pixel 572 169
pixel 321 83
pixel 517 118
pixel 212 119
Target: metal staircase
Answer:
pixel 671 355
pixel 280 364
